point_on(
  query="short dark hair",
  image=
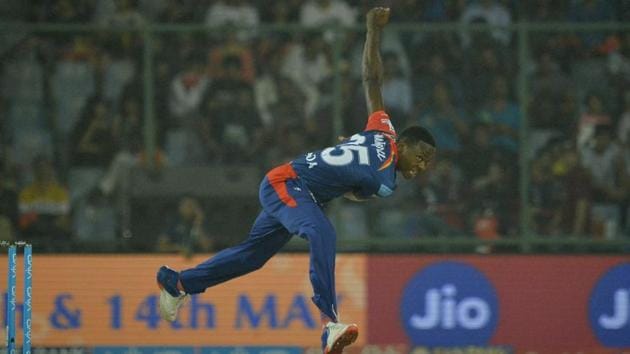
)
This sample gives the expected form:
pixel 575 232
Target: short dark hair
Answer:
pixel 415 134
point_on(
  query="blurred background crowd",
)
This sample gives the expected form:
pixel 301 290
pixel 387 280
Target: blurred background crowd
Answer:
pixel 94 106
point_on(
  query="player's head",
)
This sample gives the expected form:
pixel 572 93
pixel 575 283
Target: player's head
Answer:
pixel 416 148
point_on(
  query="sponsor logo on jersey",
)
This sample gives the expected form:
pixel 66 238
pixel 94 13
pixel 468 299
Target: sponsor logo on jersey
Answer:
pixel 310 160
pixel 379 144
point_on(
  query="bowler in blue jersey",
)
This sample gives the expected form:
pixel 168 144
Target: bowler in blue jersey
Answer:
pixel 361 167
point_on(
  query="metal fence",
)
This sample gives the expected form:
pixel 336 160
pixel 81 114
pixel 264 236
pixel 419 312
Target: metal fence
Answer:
pixel 487 83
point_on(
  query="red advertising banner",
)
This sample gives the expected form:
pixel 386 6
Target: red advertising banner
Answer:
pixel 537 304
pixel 414 303
pixel 112 300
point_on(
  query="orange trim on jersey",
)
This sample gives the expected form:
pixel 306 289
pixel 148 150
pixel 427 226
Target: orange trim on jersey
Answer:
pixel 380 121
pixel 393 154
pixel 277 178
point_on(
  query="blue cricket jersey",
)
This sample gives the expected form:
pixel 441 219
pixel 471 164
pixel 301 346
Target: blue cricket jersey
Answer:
pixel 365 163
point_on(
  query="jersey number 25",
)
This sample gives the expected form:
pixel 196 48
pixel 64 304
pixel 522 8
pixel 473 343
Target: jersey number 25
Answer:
pixel 344 154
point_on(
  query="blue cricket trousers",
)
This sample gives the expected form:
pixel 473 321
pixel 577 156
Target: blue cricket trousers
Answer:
pixel 288 209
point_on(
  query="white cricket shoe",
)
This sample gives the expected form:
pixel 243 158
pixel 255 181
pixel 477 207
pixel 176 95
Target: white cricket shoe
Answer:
pixel 171 298
pixel 169 304
pixel 336 336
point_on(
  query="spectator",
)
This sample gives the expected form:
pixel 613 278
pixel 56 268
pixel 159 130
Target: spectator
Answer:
pixel 124 15
pixel 477 144
pixel 480 72
pixel 292 145
pixel 326 13
pixel 281 11
pixel 231 106
pixel 176 11
pixel 128 125
pixel 237 13
pixel 547 118
pixel 73 82
pixel 591 11
pixel 604 162
pixel 445 121
pixel 92 137
pixel 232 12
pixel 442 194
pixel 127 131
pixel 544 189
pixel 119 69
pixel 568 114
pixel 436 71
pixel 619 62
pixel 308 66
pixel 503 116
pixel 44 208
pixel 318 14
pixel 278 99
pixel 23 89
pixel 492 200
pixel 548 81
pixel 354 107
pixel 571 217
pixel 187 90
pixel 491 12
pixel 235 48
pixel 175 52
pixel 289 90
pixel 93 146
pixel 188 232
pixel 593 114
pixel 491 188
pixel 207 131
pixel 396 88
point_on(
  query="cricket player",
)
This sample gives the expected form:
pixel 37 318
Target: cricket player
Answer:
pixel 361 167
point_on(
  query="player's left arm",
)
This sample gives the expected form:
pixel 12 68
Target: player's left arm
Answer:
pixel 369 188
pixel 355 197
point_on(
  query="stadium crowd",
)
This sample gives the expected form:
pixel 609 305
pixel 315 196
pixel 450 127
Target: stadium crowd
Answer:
pixel 73 114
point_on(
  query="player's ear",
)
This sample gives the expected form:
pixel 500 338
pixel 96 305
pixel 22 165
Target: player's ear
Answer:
pixel 401 146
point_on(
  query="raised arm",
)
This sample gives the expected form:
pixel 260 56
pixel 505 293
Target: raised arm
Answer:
pixel 376 19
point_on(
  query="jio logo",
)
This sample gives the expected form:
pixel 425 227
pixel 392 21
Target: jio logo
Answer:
pixel 449 304
pixel 609 307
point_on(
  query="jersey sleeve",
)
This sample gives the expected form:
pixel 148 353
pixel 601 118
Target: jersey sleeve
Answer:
pixel 368 191
pixel 380 121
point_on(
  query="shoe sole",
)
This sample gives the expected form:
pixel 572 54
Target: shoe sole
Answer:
pixel 163 313
pixel 345 339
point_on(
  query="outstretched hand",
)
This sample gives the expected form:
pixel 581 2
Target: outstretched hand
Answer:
pixel 377 18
